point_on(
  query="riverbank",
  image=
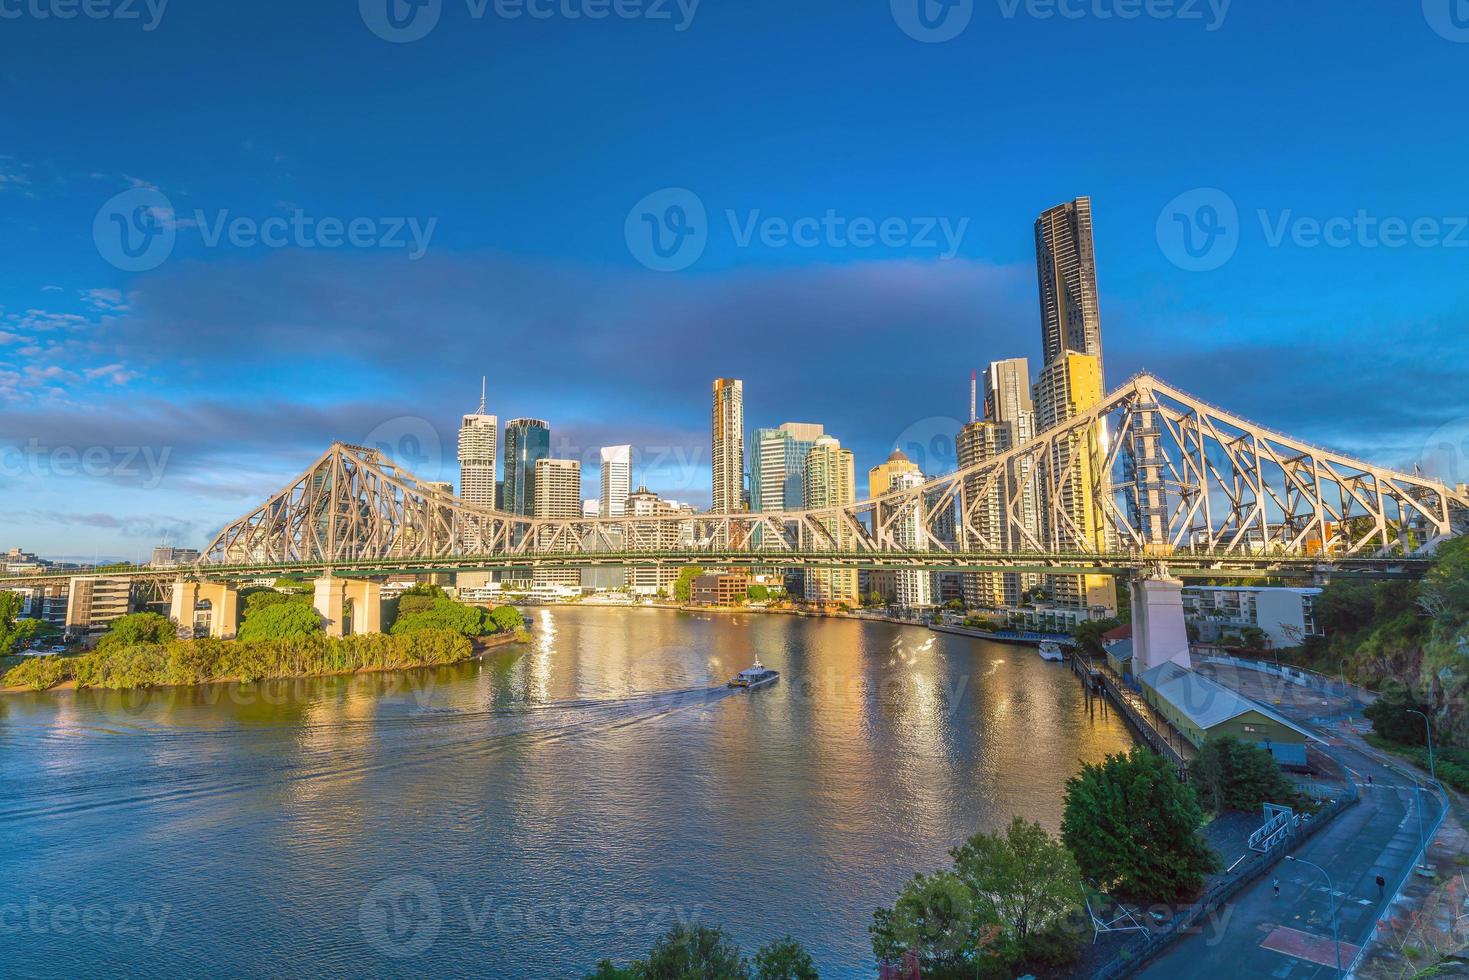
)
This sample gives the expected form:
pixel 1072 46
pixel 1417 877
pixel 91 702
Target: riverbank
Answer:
pixel 184 663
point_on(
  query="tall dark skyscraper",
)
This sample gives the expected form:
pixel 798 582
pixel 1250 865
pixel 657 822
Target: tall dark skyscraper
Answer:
pixel 526 440
pixel 1067 269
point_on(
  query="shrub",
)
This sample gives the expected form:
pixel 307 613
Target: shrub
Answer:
pixel 143 627
pixel 39 673
pixel 281 621
pixel 443 614
pixel 506 618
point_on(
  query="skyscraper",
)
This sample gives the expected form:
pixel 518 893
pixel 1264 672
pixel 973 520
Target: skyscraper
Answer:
pixel 728 427
pixel 478 433
pixel 1071 382
pixel 558 495
pixel 776 479
pixel 1067 272
pixel 914 587
pixel 830 481
pixel 526 442
pixel 616 480
pixel 558 488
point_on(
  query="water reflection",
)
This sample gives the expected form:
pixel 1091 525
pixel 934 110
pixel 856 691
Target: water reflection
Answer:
pixel 602 766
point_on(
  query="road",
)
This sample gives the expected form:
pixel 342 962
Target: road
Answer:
pixel 1288 937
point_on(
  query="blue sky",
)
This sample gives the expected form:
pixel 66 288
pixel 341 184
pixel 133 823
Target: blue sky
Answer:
pixel 142 402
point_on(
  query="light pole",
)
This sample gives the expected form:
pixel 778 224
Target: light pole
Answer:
pixel 1331 892
pixel 1428 730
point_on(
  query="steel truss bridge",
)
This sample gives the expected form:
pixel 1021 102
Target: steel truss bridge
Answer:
pixel 1149 475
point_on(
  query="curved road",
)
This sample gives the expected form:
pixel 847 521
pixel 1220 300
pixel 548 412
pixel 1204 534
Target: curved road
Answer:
pixel 1288 937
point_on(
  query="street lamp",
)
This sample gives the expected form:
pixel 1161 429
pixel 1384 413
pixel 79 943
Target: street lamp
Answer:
pixel 1331 891
pixel 1428 730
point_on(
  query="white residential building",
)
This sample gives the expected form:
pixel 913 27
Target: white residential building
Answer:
pixel 616 480
pixel 914 586
pixel 1221 611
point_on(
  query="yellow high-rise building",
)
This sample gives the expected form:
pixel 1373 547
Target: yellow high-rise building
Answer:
pixel 830 481
pixel 1069 386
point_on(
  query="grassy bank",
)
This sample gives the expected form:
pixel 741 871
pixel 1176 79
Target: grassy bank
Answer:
pixel 205 660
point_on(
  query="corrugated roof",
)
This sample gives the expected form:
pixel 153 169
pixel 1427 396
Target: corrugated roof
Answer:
pixel 1121 650
pixel 1204 701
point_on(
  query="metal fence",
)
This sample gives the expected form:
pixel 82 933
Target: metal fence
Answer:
pixel 1131 957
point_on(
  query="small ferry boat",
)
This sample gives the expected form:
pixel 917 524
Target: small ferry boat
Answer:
pixel 1051 650
pixel 756 676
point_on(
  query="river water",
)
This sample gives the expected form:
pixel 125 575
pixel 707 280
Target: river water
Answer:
pixel 528 813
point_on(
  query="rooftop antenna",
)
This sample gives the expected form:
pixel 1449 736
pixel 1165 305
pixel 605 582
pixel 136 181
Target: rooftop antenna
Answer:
pixel 482 384
pixel 973 395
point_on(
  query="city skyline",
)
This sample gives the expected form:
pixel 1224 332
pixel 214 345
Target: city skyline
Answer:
pixel 369 346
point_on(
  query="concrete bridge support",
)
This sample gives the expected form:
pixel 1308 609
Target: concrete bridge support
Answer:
pixel 224 606
pixel 330 599
pixel 367 605
pixel 332 594
pixel 1159 634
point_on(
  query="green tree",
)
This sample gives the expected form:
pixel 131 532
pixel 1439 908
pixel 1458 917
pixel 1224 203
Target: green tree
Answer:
pixel 255 599
pixel 138 628
pixel 506 619
pixel 758 593
pixel 284 620
pixel 1392 716
pixel 683 585
pixel 1228 774
pixel 443 614
pixel 1133 826
pixel 1253 639
pixel 1024 879
pixel 934 917
pixel 693 951
pixel 1088 635
pixel 14 630
pixel 607 971
pixel 784 959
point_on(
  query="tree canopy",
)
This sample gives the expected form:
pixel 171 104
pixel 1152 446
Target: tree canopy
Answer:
pixel 13 629
pixel 280 621
pixel 506 619
pixel 443 614
pixel 1134 827
pixel 1003 907
pixel 137 628
pixel 1228 774
pixel 683 585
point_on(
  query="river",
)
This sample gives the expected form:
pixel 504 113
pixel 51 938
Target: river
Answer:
pixel 525 814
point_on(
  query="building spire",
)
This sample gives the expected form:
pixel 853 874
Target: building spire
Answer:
pixel 482 386
pixel 973 395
